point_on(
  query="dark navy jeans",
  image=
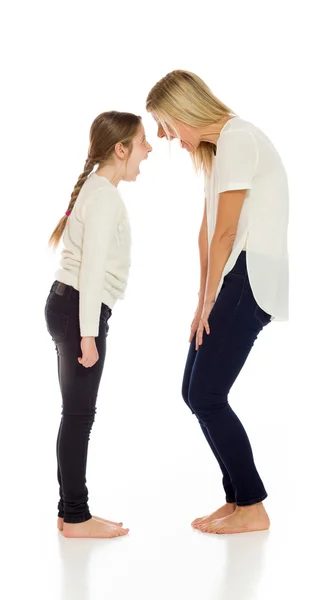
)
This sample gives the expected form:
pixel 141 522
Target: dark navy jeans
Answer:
pixel 79 388
pixel 235 323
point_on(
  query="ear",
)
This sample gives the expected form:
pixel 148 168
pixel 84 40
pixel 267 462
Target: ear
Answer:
pixel 121 151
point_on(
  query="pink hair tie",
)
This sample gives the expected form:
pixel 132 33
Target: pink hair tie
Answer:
pixel 68 212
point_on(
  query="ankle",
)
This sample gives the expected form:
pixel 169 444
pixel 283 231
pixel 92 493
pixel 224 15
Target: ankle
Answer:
pixel 251 507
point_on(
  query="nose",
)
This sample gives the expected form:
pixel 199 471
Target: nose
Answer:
pixel 161 132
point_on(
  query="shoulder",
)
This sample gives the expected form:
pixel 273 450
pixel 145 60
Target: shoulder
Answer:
pixel 102 198
pixel 236 128
pixel 98 189
pixel 237 138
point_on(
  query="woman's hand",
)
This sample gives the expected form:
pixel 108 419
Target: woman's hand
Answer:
pixel 203 324
pixel 196 320
pixel 89 352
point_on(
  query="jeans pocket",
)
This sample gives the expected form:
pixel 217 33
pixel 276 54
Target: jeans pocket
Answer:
pixel 263 317
pixel 57 326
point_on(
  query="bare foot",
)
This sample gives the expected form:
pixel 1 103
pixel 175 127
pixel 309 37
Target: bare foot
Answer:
pixel 224 511
pixel 92 529
pixel 243 520
pixel 60 522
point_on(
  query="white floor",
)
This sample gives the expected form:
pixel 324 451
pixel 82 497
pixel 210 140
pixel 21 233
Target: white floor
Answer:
pixel 156 479
pixel 162 557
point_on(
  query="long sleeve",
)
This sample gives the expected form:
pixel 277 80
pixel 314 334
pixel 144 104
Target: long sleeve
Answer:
pixel 101 215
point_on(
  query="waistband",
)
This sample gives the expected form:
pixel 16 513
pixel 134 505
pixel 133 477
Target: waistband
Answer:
pixel 62 289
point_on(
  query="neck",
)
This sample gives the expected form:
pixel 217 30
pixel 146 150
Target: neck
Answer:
pixel 211 133
pixel 110 172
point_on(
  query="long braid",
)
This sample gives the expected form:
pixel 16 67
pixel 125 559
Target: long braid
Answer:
pixel 89 165
pixel 58 231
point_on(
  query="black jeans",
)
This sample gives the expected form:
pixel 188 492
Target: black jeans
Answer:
pixel 79 388
pixel 235 322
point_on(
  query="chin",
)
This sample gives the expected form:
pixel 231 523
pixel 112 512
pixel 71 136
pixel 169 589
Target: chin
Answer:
pixel 130 179
pixel 188 147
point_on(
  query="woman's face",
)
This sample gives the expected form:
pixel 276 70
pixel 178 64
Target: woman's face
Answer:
pixel 187 135
pixel 140 152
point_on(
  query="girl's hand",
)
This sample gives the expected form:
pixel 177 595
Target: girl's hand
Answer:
pixel 203 324
pixel 89 352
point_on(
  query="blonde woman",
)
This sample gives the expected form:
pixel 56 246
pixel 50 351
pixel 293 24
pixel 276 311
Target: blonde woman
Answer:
pixel 244 276
pixel 92 278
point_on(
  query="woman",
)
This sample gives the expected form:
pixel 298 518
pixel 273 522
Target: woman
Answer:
pixel 244 275
pixel 93 276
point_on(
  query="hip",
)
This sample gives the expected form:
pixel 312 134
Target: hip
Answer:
pixel 62 312
pixel 236 298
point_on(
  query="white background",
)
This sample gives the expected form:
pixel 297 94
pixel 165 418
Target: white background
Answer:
pixel 149 464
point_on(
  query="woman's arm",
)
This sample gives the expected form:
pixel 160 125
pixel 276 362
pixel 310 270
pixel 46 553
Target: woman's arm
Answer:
pixel 204 255
pixel 204 259
pixel 229 209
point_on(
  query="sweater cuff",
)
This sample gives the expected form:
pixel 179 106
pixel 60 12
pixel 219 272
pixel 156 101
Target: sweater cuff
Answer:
pixel 89 331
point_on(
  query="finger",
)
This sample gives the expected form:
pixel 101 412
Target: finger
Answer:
pixel 207 327
pixel 193 332
pixel 92 362
pixel 197 343
pixel 84 362
pixel 199 337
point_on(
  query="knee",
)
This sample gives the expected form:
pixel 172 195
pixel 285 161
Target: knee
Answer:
pixel 206 405
pixel 185 395
pixel 78 417
pixel 195 401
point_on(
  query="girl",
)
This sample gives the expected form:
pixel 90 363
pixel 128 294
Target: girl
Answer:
pixel 244 275
pixel 93 275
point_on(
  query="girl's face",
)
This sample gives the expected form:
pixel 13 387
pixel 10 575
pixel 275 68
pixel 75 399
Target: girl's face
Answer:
pixel 140 152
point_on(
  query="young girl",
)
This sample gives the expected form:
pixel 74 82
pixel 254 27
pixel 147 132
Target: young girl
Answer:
pixel 244 275
pixel 93 276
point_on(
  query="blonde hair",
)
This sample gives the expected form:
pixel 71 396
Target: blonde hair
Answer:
pixel 107 130
pixel 182 95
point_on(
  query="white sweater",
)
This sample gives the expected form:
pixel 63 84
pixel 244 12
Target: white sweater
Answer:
pixel 95 259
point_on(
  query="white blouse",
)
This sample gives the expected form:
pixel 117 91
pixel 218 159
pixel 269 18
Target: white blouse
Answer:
pixel 247 160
